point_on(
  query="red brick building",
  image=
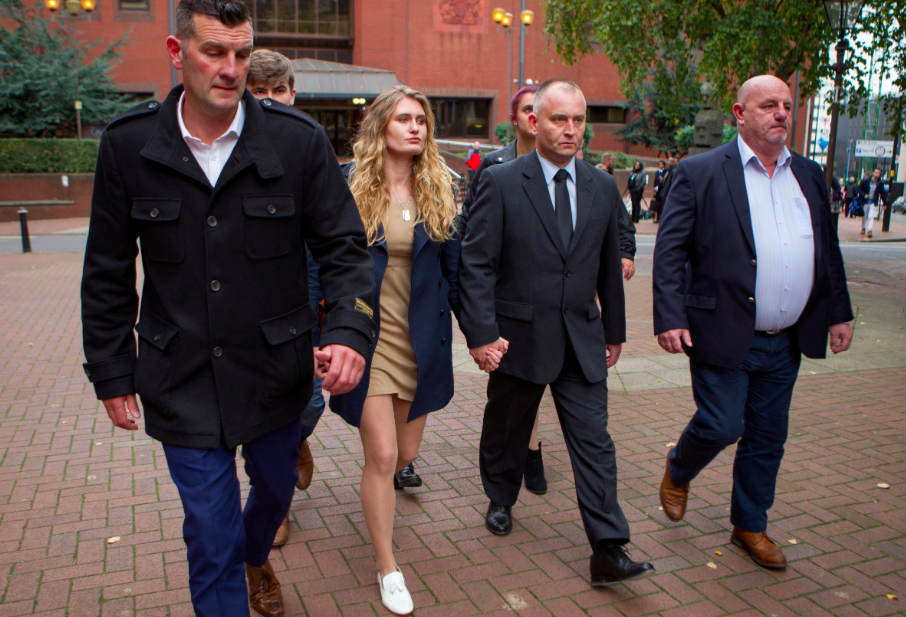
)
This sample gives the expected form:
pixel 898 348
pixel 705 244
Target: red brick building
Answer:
pixel 449 49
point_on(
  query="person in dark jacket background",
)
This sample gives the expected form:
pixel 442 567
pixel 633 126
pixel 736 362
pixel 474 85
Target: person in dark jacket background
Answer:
pixel 224 192
pixel 403 193
pixel 660 197
pixel 638 180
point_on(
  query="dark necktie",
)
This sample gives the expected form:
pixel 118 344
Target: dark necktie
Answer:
pixel 561 205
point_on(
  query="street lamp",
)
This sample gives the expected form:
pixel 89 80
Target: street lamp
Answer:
pixel 74 7
pixel 842 15
pixel 504 19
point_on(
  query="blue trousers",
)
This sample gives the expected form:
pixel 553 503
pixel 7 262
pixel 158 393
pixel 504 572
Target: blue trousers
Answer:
pixel 313 411
pixel 219 534
pixel 749 404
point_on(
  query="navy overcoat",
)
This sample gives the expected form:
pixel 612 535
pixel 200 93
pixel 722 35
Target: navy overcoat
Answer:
pixel 434 295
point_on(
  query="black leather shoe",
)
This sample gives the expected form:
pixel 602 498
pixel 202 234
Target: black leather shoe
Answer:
pixel 406 478
pixel 611 564
pixel 499 519
pixel 535 482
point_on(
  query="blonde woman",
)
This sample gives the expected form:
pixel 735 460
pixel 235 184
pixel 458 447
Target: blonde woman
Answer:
pixel 403 191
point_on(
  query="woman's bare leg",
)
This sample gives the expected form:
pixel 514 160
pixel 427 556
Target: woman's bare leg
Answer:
pixel 378 433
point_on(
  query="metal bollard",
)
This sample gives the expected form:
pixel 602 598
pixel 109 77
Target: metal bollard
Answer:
pixel 23 223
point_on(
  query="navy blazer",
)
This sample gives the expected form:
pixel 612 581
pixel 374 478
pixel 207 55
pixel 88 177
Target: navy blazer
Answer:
pixel 434 295
pixel 705 261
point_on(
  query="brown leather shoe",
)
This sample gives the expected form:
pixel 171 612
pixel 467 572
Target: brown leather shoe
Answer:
pixel 673 497
pixel 264 590
pixel 760 547
pixel 305 466
pixel 282 532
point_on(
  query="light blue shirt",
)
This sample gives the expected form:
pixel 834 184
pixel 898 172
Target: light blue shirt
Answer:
pixel 784 241
pixel 550 170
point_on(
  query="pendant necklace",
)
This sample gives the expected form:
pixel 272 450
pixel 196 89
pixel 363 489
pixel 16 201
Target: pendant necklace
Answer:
pixel 405 206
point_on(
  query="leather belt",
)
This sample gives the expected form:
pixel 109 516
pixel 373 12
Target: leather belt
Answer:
pixel 770 333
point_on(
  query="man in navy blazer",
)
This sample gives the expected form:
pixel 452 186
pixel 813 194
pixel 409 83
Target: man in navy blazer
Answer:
pixel 748 276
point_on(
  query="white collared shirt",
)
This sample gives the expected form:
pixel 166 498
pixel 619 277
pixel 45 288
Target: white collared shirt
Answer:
pixel 550 170
pixel 212 158
pixel 784 241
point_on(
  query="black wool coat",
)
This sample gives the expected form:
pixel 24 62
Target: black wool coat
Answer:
pixel 519 282
pixel 224 332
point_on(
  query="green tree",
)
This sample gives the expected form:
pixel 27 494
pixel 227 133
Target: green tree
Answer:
pixel 37 78
pixel 730 41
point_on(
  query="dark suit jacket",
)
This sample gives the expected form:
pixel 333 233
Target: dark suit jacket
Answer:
pixel 224 347
pixel 880 196
pixel 518 281
pixel 705 261
pixel 507 154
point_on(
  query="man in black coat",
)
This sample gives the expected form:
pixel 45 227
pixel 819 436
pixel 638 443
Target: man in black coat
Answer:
pixel 873 193
pixel 660 197
pixel 748 276
pixel 224 193
pixel 542 241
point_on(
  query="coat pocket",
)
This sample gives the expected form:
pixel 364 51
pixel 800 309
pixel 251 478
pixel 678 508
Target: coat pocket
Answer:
pixel 701 302
pixel 158 351
pixel 268 225
pixel 594 311
pixel 160 230
pixel 287 352
pixel 514 310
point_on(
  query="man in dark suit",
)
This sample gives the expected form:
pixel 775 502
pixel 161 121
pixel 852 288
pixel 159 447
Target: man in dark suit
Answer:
pixel 748 276
pixel 873 193
pixel 541 242
pixel 225 193
pixel 660 196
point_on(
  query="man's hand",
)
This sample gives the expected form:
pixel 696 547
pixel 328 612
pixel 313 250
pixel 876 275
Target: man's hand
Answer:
pixel 120 408
pixel 628 268
pixel 672 340
pixel 841 335
pixel 344 368
pixel 321 368
pixel 481 355
pixel 613 354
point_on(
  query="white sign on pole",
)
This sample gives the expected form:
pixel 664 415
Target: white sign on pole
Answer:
pixel 871 149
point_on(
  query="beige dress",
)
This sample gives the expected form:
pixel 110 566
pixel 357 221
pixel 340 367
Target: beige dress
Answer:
pixel 393 367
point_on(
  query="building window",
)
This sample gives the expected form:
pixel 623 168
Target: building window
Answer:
pixel 303 17
pixel 462 117
pixel 134 5
pixel 598 114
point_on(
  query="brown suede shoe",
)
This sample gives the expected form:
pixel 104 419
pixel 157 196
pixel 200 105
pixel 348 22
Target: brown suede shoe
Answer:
pixel 264 590
pixel 305 466
pixel 282 532
pixel 760 547
pixel 673 497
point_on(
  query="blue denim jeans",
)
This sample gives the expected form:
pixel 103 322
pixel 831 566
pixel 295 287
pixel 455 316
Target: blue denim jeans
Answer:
pixel 749 404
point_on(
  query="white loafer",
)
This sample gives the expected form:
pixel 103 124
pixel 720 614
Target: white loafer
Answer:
pixel 394 594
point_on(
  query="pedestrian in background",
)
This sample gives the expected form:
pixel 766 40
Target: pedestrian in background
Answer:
pixel 627 229
pixel 224 194
pixel 748 276
pixel 657 202
pixel 405 199
pixel 849 196
pixel 872 192
pixel 659 175
pixel 473 159
pixel 638 180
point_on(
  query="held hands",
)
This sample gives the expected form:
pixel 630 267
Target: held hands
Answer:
pixel 841 335
pixel 120 408
pixel 488 357
pixel 672 340
pixel 341 368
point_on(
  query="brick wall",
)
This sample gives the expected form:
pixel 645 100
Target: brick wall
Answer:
pixel 35 187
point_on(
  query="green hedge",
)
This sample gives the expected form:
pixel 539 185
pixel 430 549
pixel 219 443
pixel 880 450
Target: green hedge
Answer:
pixel 31 155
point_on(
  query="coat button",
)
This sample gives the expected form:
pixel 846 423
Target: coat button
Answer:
pixel 271 209
pixel 753 262
pixel 185 159
pixel 152 105
pixel 267 102
pixel 443 312
pixel 154 213
pixel 215 285
pixel 217 352
pixel 157 337
pixel 440 283
pixel 566 311
pixel 443 341
pixel 751 300
pixel 212 221
pixel 292 330
pixel 568 274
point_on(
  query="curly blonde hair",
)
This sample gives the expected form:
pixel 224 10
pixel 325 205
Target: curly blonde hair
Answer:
pixel 431 182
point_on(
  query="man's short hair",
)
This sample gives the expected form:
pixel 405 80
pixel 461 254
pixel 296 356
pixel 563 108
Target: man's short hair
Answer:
pixel 230 13
pixel 543 89
pixel 271 68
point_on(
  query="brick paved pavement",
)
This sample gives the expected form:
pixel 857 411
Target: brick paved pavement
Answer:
pixel 68 483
